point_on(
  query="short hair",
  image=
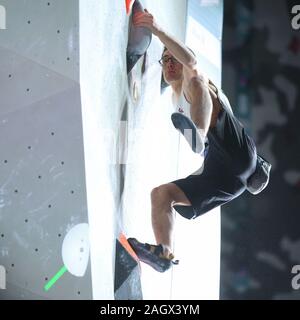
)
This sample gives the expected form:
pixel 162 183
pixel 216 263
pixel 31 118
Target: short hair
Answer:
pixel 193 53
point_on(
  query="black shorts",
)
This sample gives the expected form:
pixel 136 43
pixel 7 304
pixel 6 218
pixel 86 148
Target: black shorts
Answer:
pixel 230 160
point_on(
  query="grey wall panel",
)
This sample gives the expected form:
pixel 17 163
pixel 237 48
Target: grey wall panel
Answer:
pixel 42 177
pixel 45 32
pixel 42 188
pixel 26 81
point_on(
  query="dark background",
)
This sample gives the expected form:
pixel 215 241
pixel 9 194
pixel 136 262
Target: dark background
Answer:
pixel 261 76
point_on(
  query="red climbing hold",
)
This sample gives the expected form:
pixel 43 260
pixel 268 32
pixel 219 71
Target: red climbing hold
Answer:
pixel 129 4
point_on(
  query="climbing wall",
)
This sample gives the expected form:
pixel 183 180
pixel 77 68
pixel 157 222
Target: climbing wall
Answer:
pixel 82 146
pixel 42 175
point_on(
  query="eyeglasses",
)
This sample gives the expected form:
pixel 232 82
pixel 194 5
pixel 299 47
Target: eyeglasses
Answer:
pixel 164 60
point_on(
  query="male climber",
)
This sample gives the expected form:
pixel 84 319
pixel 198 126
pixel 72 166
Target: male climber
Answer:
pixel 231 164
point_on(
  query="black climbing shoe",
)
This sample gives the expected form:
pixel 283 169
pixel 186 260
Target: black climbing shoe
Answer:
pixel 151 255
